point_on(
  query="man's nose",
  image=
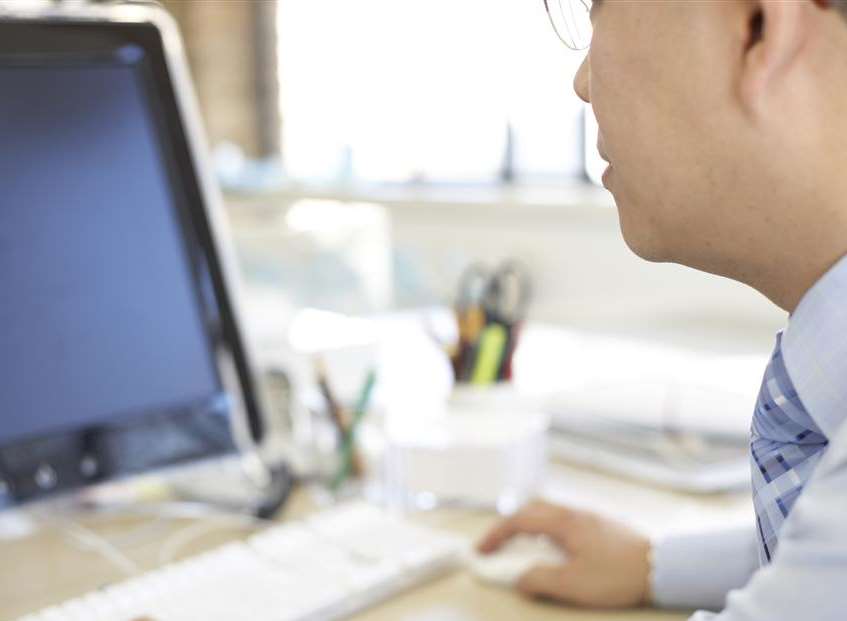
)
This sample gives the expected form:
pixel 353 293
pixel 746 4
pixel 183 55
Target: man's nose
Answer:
pixel 582 81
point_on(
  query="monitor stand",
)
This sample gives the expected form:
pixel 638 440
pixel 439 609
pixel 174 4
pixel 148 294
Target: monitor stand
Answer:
pixel 242 485
pixel 239 486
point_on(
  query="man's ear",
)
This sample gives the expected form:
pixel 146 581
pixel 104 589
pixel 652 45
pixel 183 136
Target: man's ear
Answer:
pixel 777 32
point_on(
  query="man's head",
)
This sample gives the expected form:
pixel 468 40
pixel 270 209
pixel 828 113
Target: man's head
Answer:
pixel 725 124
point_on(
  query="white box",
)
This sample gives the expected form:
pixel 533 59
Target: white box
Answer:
pixel 470 457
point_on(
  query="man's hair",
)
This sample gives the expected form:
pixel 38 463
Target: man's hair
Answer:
pixel 841 5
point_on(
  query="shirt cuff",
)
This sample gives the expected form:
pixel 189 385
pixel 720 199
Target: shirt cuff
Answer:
pixel 698 571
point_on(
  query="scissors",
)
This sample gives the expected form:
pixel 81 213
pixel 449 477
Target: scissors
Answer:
pixel 503 295
pixel 468 307
pixel 506 298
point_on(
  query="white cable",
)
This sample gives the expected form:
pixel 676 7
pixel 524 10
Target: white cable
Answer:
pixel 183 510
pixel 87 539
pixel 173 545
pixel 211 520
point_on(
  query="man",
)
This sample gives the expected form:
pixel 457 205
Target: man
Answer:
pixel 725 125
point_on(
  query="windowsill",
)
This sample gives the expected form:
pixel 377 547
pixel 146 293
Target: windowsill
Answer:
pixel 579 194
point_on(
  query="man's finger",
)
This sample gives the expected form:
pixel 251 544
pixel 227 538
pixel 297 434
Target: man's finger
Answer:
pixel 497 536
pixel 536 520
pixel 551 581
pixel 519 524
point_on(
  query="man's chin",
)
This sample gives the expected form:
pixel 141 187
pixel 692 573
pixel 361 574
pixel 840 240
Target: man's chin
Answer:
pixel 642 243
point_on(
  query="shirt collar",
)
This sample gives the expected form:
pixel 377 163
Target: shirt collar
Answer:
pixel 814 348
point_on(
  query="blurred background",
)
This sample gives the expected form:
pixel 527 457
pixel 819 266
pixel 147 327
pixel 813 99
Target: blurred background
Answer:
pixel 371 149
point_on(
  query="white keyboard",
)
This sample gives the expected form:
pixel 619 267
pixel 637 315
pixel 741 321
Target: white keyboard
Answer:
pixel 327 567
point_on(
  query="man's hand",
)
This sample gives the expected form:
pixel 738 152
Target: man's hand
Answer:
pixel 608 564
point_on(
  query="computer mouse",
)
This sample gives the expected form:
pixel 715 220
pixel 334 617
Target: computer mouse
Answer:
pixel 506 566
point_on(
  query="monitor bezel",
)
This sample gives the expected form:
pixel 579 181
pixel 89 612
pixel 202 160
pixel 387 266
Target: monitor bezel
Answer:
pixel 235 365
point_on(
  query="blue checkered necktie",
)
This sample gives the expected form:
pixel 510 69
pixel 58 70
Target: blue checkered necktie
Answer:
pixel 785 447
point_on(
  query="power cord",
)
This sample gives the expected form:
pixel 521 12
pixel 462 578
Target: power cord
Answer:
pixel 87 540
pixel 113 549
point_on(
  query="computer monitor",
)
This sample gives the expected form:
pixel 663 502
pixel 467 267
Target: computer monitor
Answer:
pixel 120 348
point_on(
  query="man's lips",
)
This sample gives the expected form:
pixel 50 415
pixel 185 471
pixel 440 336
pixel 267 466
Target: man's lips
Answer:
pixel 601 148
pixel 608 171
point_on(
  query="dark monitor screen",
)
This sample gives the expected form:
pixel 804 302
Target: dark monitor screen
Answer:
pixel 113 309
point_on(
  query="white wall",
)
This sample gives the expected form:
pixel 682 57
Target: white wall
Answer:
pixel 584 273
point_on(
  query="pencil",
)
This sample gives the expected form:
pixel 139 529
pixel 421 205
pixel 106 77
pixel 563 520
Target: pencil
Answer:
pixel 336 413
pixel 329 397
pixel 348 446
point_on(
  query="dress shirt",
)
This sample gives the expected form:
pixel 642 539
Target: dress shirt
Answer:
pixel 806 580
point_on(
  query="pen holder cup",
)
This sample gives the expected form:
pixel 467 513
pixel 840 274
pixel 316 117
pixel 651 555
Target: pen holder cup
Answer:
pixel 484 452
pixel 501 397
pixel 332 477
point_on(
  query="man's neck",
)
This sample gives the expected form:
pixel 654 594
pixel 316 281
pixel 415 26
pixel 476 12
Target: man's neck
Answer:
pixel 787 280
pixel 786 247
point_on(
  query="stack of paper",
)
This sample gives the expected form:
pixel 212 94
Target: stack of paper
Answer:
pixel 674 417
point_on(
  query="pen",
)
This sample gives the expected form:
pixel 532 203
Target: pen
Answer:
pixel 506 368
pixel 492 345
pixel 329 397
pixel 348 444
pixel 336 413
pixel 472 325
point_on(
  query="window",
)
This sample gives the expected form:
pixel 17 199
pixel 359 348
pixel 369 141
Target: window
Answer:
pixel 434 91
